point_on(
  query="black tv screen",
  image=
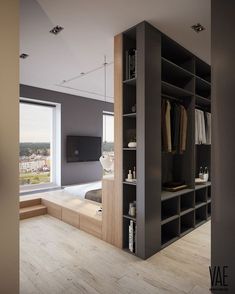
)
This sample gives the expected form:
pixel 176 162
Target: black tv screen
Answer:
pixel 83 148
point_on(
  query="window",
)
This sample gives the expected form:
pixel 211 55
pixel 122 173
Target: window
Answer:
pixel 37 164
pixel 108 133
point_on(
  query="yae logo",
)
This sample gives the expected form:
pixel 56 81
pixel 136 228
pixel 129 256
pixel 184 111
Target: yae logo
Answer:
pixel 219 278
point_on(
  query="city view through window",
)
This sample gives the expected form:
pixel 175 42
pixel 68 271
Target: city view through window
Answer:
pixel 35 144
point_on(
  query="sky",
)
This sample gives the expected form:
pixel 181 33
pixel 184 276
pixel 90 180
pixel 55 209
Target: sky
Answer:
pixel 35 123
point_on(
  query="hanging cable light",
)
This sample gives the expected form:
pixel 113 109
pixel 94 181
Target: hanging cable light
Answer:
pixel 105 159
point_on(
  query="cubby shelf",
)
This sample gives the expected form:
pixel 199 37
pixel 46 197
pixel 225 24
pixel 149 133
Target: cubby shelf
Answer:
pixel 131 82
pixel 202 186
pixel 202 101
pixel 133 115
pixel 129 183
pixel 165 195
pixel 175 91
pixel 129 217
pixel 186 210
pixel 169 219
pixel 199 204
pixel 173 65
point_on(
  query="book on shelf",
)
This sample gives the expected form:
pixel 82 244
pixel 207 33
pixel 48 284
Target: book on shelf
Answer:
pixel 131 64
pixel 132 237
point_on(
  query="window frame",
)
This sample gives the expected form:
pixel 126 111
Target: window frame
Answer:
pixel 55 152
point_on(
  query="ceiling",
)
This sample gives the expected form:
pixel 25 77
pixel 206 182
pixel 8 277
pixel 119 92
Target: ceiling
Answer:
pixel 56 62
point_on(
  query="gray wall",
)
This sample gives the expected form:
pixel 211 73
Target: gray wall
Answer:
pixel 79 116
pixel 223 152
pixel 9 148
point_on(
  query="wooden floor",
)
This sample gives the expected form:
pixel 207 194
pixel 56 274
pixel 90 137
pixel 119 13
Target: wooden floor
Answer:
pixel 58 258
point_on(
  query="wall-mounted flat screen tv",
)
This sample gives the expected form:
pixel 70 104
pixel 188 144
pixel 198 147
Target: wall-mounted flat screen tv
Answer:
pixel 83 148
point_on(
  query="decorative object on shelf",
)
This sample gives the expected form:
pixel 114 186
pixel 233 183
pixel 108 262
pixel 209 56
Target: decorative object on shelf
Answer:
pixel 203 176
pixel 132 144
pixel 131 177
pixel 134 173
pixel 174 186
pixel 133 108
pixel 131 59
pixel 206 174
pixel 132 209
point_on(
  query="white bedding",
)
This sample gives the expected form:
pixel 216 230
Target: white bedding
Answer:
pixel 81 190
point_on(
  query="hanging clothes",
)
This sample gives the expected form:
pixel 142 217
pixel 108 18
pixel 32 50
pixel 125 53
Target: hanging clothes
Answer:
pixel 166 126
pixel 175 126
pixel 183 128
pixel 208 127
pixel 202 127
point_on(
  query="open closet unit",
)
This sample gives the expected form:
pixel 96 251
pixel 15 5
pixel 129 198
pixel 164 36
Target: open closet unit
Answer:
pixel 159 86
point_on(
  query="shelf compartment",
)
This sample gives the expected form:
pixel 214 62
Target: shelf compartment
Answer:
pixel 202 70
pixel 131 82
pixel 177 54
pixel 172 90
pixel 200 215
pixel 129 194
pixel 133 115
pixel 129 183
pixel 203 89
pixel 203 102
pixel 208 210
pixel 209 193
pixel 186 202
pixel 200 197
pixel 170 208
pixel 202 186
pixel 176 76
pixel 129 217
pixel 129 131
pixel 129 100
pixel 126 223
pixel 170 231
pixel 165 195
pixel 186 223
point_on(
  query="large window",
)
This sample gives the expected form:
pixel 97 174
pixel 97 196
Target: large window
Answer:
pixel 108 133
pixel 37 145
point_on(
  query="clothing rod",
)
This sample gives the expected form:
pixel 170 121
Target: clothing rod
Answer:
pixel 171 98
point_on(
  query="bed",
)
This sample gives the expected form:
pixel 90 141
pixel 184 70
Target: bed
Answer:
pixel 91 191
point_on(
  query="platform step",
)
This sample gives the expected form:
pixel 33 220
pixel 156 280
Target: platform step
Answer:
pixel 36 210
pixel 30 202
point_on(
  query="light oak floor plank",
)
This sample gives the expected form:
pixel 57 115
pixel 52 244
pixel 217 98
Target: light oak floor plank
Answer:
pixel 57 258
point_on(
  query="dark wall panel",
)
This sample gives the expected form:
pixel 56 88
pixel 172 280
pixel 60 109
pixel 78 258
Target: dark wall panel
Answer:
pixel 223 141
pixel 79 116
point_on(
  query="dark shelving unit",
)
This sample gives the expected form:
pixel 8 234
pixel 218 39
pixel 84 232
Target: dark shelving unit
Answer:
pixel 200 215
pixel 186 223
pixel 165 70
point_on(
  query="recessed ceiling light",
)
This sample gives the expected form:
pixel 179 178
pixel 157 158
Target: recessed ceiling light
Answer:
pixel 198 28
pixel 24 55
pixel 56 30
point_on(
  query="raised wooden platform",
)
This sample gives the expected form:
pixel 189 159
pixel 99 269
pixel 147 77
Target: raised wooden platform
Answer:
pixel 80 213
pixel 31 207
